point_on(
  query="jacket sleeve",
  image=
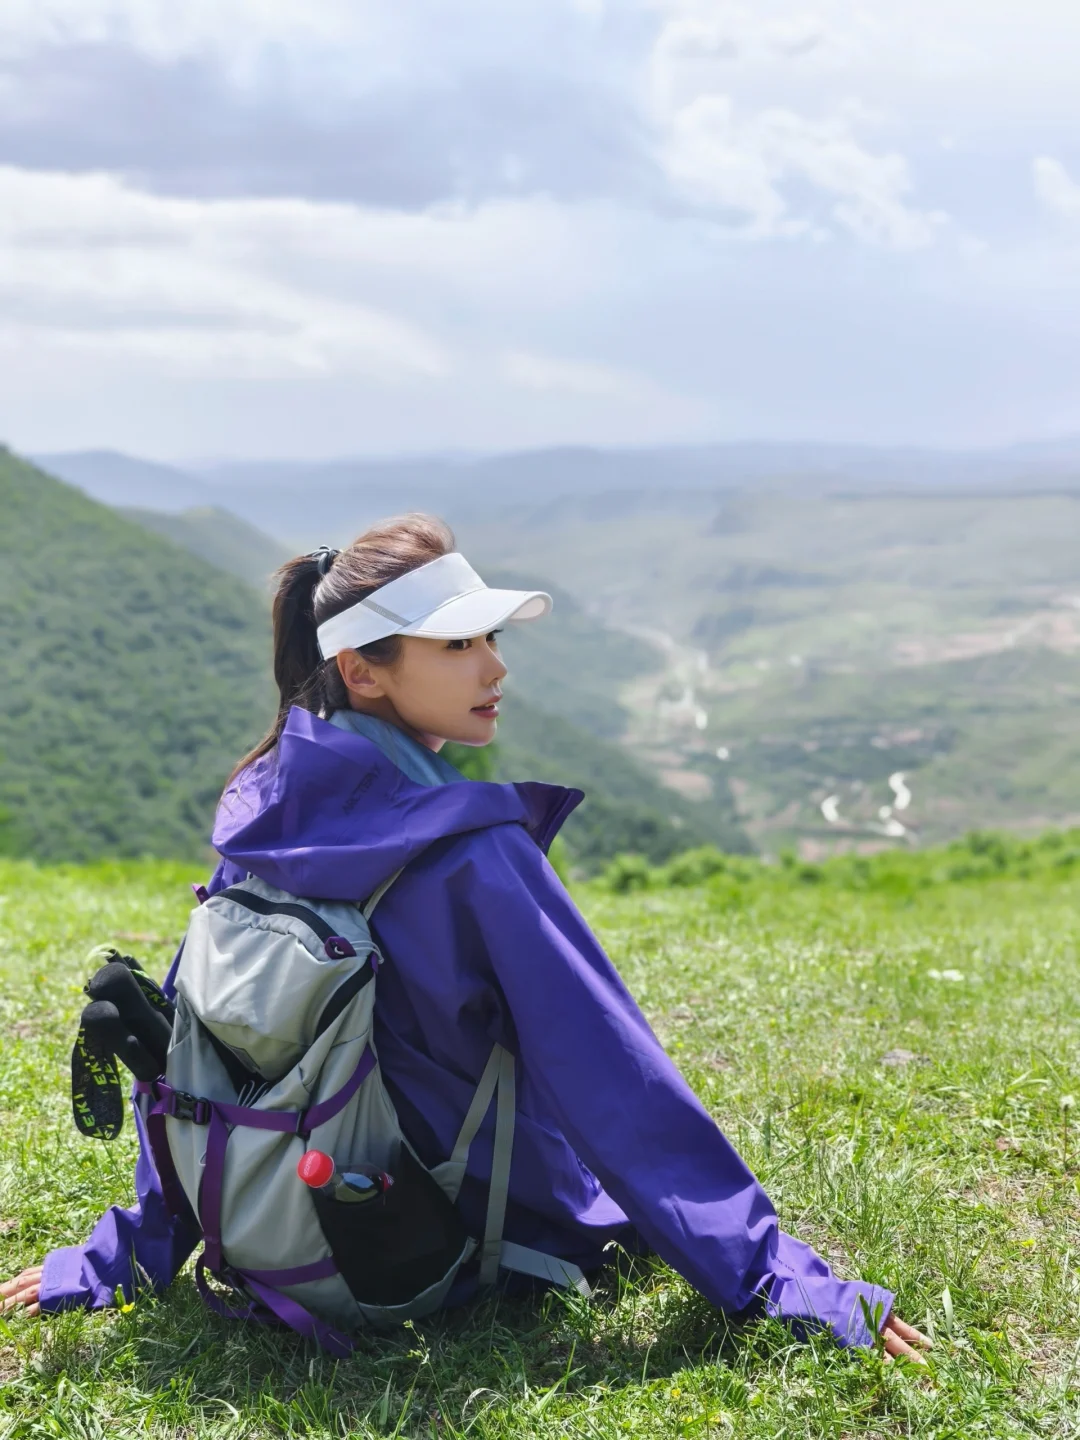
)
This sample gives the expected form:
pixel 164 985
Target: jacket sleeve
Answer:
pixel 127 1249
pixel 627 1111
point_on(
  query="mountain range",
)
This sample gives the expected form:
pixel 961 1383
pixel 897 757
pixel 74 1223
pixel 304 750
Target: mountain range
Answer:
pixel 305 503
pixel 848 648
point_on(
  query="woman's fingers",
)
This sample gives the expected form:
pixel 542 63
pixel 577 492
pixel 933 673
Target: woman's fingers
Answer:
pixel 25 1289
pixel 32 1274
pixel 895 1348
pixel 908 1333
pixel 28 1295
pixel 903 1341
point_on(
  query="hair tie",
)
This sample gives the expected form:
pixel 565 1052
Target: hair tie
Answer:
pixel 324 557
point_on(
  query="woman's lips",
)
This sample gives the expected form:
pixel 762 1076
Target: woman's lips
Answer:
pixel 490 710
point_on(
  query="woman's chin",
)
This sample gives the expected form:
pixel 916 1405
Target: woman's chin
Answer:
pixel 481 730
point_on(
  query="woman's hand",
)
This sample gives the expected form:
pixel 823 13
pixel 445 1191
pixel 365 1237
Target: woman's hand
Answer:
pixel 903 1341
pixel 25 1289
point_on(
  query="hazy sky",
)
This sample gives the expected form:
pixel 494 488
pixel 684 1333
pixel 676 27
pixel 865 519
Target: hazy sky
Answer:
pixel 313 227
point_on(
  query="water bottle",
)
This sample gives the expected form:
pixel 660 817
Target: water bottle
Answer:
pixel 358 1185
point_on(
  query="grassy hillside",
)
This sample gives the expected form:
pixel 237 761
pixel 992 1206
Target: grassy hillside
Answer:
pixel 894 1058
pixel 134 675
pixel 117 479
pixel 219 538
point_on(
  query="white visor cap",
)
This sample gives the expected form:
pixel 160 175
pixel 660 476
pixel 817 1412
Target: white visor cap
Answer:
pixel 442 600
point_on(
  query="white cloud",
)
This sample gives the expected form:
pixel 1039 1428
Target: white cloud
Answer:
pixel 1056 188
pixel 796 35
pixel 164 31
pixel 88 263
pixel 869 189
pixel 709 161
pixel 100 278
pixel 512 223
pixel 742 165
pixel 324 49
pixel 746 159
pixel 577 377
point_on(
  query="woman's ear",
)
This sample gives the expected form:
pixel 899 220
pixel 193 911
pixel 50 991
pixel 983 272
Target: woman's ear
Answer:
pixel 360 677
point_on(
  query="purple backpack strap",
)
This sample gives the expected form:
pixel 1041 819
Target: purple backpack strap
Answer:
pixel 172 1192
pixel 210 1187
pixel 270 1305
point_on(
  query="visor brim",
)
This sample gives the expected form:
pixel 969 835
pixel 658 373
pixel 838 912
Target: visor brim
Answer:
pixel 478 613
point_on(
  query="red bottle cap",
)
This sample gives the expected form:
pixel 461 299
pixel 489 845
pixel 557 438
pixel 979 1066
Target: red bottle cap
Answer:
pixel 315 1168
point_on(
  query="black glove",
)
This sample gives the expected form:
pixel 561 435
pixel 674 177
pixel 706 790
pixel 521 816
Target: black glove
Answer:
pixel 137 1006
pixel 130 1019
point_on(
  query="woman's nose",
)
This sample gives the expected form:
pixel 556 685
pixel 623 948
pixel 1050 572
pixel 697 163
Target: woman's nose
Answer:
pixel 496 668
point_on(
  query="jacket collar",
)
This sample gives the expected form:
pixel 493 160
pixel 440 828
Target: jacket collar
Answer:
pixel 328 814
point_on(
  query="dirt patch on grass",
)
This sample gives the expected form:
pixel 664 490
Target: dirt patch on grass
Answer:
pixel 11 1367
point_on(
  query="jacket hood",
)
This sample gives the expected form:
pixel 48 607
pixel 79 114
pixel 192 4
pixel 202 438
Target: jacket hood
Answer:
pixel 328 814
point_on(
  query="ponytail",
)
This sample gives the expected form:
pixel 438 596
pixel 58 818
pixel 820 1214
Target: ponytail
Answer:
pixel 312 588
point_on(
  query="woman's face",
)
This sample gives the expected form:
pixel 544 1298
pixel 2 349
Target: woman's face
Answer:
pixel 439 690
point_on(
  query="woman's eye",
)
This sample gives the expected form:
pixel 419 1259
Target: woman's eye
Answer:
pixel 492 638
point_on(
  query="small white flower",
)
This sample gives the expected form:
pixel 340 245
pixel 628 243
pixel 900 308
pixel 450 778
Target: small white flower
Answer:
pixel 1067 1102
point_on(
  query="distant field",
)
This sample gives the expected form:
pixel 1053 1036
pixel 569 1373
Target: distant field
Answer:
pixel 892 1044
pixel 813 639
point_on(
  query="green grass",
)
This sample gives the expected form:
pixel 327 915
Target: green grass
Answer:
pixel 779 991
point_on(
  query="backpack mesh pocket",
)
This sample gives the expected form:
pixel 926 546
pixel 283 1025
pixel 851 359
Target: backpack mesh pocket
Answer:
pixel 392 1249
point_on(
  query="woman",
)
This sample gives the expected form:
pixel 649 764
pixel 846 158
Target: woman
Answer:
pixel 383 652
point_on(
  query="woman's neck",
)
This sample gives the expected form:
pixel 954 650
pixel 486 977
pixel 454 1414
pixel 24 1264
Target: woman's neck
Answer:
pixel 383 709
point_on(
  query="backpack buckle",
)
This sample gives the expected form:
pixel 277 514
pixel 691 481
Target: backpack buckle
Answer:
pixel 190 1107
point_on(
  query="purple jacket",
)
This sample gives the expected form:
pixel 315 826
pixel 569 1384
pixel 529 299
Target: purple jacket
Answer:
pixel 485 945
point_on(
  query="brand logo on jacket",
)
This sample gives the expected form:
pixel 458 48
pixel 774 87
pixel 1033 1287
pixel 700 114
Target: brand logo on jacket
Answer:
pixel 359 790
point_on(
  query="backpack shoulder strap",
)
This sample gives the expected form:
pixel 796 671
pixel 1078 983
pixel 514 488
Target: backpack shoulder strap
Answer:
pixel 498 1081
pixel 505 1112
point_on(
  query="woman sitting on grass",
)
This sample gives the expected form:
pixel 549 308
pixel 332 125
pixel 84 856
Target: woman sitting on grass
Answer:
pixel 485 946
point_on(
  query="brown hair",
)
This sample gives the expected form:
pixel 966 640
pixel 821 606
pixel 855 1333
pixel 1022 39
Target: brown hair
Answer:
pixel 312 588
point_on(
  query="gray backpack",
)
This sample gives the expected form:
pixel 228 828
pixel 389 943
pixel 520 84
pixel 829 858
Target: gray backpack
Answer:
pixel 272 1055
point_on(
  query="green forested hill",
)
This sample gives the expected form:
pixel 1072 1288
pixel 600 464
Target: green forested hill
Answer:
pixel 218 537
pixel 132 676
